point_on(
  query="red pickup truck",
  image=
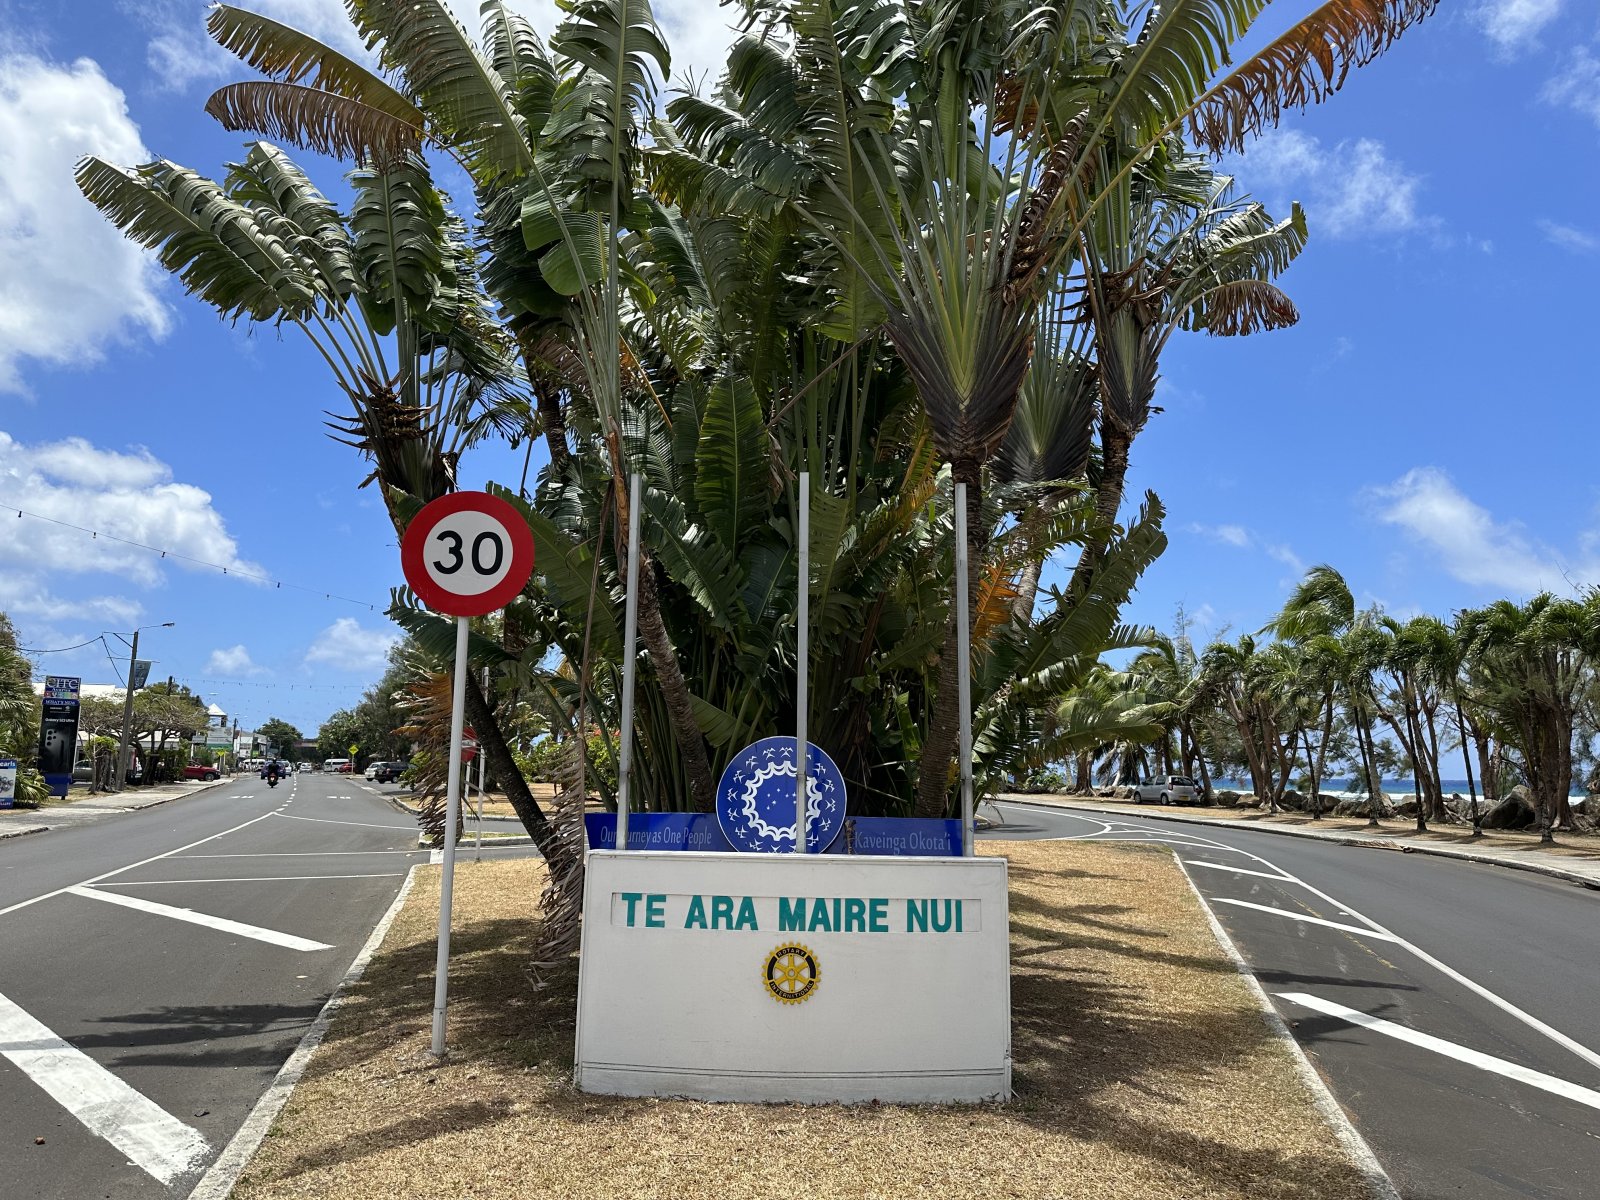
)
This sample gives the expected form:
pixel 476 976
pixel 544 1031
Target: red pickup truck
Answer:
pixel 198 771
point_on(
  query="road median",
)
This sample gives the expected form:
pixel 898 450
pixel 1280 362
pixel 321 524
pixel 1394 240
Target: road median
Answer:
pixel 1143 1069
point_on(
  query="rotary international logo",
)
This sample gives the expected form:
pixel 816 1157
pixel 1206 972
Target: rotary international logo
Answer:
pixel 791 974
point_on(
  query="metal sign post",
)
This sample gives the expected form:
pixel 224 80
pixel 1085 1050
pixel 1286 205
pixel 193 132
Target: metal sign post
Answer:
pixel 802 663
pixel 964 668
pixel 465 555
pixel 630 635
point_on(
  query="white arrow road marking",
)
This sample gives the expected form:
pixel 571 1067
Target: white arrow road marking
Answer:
pixel 1310 920
pixel 287 940
pixel 108 1108
pixel 1475 1058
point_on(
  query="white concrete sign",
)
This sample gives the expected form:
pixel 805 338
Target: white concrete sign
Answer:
pixel 794 977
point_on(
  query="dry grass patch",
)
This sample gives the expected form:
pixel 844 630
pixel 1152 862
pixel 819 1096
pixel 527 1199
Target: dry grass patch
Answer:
pixel 1143 1069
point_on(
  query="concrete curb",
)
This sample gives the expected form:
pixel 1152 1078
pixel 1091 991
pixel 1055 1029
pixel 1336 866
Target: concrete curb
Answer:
pixel 1379 1185
pixel 24 831
pixel 1369 843
pixel 218 1181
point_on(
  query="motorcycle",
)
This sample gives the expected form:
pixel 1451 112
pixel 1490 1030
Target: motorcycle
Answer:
pixel 272 781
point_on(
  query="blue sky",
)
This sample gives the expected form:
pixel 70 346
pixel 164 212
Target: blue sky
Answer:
pixel 1422 428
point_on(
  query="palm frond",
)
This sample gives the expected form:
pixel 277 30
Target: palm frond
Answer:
pixel 1302 66
pixel 325 122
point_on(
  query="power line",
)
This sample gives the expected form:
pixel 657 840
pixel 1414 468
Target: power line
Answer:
pixel 64 649
pixel 97 534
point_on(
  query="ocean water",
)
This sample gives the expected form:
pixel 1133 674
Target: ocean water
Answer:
pixel 1340 785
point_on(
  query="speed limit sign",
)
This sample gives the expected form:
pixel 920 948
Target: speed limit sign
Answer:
pixel 467 554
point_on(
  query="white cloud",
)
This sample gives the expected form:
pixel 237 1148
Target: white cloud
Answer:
pixel 71 282
pixel 1515 24
pixel 181 52
pixel 1351 189
pixel 1577 86
pixel 128 494
pixel 348 647
pixel 25 595
pixel 1569 238
pixel 235 660
pixel 1469 543
pixel 1240 538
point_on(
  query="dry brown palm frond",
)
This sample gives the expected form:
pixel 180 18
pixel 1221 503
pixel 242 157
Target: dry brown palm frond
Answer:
pixel 1243 307
pixel 561 905
pixel 315 120
pixel 426 704
pixel 1303 66
pixel 1038 222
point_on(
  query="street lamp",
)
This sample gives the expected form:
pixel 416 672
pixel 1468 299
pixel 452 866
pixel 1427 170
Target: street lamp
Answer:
pixel 127 703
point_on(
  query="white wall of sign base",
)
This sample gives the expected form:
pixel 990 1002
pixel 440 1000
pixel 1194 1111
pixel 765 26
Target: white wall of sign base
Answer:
pixel 781 977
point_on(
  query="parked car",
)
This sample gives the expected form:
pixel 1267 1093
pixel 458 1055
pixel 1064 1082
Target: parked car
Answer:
pixel 386 772
pixel 201 771
pixel 1167 789
pixel 83 770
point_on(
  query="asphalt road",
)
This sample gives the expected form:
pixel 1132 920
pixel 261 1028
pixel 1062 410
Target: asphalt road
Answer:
pixel 1451 1007
pixel 135 1040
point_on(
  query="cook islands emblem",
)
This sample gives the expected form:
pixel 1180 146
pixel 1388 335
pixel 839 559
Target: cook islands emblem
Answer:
pixel 756 801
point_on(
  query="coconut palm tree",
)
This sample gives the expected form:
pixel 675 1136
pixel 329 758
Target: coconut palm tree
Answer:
pixel 1529 665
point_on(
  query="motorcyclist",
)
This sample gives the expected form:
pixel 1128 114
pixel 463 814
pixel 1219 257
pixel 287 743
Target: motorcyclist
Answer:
pixel 272 773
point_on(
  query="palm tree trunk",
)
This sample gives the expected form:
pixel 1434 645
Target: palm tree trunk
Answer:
pixel 939 747
pixel 492 745
pixel 1114 447
pixel 675 691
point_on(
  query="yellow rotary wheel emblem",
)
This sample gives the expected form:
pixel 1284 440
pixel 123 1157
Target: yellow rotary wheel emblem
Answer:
pixel 791 974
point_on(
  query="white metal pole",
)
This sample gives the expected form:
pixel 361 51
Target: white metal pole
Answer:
pixel 458 709
pixel 964 667
pixel 802 667
pixel 629 638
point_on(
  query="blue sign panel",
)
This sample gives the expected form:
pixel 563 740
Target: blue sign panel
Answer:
pixel 657 831
pixel 902 837
pixel 756 798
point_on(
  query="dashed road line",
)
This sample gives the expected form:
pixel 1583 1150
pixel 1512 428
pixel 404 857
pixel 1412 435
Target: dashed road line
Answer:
pixel 152 1138
pixel 287 940
pixel 1426 1041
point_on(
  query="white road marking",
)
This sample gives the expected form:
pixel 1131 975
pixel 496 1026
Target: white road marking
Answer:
pixel 287 940
pixel 1472 985
pixel 1200 862
pixel 131 866
pixel 152 1138
pixel 1475 1058
pixel 358 824
pixel 304 853
pixel 251 879
pixel 1310 920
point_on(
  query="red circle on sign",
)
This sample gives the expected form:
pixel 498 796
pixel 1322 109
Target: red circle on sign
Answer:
pixel 454 554
pixel 469 744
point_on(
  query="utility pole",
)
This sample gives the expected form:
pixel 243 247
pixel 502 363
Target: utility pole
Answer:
pixel 127 705
pixel 118 783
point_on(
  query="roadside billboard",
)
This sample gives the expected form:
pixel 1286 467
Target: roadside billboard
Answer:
pixel 8 782
pixel 58 731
